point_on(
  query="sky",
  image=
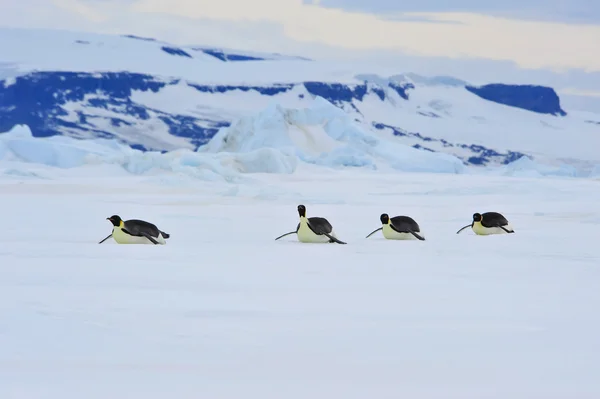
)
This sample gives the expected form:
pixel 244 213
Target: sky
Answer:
pixel 567 11
pixel 553 40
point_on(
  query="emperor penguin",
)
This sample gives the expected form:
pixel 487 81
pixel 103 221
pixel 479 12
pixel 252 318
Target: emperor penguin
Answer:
pixel 135 231
pixel 313 229
pixel 489 223
pixel 399 228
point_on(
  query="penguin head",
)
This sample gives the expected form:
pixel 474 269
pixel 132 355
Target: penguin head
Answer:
pixel 385 219
pixel 477 217
pixel 302 210
pixel 115 220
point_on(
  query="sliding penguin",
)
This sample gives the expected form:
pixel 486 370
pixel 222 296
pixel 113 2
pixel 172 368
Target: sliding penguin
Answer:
pixel 135 232
pixel 399 228
pixel 313 229
pixel 489 223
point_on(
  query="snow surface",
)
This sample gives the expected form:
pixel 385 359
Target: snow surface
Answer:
pixel 53 50
pixel 453 114
pixel 224 311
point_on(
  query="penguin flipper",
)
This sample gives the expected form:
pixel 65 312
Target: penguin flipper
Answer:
pixel 286 234
pixel 373 232
pixel 417 236
pixel 505 229
pixel 107 237
pixel 148 236
pixel 469 225
pixel 501 224
pixel 333 239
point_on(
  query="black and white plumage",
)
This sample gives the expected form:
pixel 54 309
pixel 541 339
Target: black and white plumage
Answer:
pixel 135 231
pixel 489 223
pixel 313 230
pixel 399 228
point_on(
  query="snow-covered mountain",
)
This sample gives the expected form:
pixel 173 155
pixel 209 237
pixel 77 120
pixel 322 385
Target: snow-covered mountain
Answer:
pixel 154 95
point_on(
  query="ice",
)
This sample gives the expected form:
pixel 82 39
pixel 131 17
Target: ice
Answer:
pixel 324 134
pixel 19 149
pixel 595 171
pixel 224 311
pixel 19 145
pixel 273 141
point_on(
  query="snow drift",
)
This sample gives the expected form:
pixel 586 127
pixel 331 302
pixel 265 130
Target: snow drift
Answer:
pixel 323 134
pixel 19 147
pixel 273 141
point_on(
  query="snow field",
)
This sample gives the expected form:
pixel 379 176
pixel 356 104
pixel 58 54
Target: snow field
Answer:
pixel 224 311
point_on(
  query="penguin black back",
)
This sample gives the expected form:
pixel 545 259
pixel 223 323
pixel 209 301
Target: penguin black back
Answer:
pixel 404 224
pixel 490 219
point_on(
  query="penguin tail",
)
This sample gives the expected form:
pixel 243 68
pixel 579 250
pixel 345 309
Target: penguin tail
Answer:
pixel 165 235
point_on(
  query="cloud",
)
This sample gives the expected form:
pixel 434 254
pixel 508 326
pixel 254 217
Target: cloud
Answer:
pixel 582 92
pixel 308 28
pixel 82 9
pixel 575 11
pixel 531 44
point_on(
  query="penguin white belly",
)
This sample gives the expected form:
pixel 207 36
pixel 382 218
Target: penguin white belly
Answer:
pixel 481 230
pixel 392 234
pixel 305 234
pixel 122 238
